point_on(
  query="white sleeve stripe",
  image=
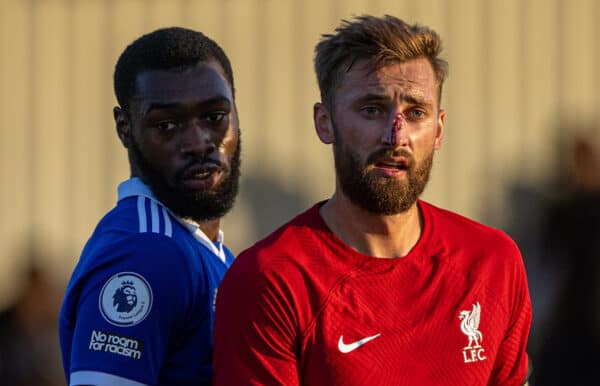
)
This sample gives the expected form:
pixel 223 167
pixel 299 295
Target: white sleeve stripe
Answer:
pixel 142 213
pixel 154 214
pixel 168 226
pixel 97 378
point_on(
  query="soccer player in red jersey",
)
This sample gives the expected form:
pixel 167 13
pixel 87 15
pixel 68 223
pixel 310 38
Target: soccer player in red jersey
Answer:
pixel 375 286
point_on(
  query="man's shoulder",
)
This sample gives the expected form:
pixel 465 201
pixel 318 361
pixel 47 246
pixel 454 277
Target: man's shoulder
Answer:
pixel 479 258
pixel 453 227
pixel 288 247
pixel 284 265
pixel 289 236
pixel 134 229
pixel 470 246
pixel 139 214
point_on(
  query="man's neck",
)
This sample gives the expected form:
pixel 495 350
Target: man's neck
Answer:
pixel 371 234
pixel 210 228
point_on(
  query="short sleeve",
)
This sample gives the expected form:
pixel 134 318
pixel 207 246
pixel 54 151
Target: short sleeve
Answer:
pixel 512 362
pixel 130 299
pixel 255 328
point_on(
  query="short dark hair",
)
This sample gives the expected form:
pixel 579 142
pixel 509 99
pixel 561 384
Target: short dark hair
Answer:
pixel 380 40
pixel 164 49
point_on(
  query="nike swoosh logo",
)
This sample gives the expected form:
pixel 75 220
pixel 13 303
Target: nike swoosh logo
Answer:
pixel 346 348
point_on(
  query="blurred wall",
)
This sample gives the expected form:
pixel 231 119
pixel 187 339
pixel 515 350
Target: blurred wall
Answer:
pixel 518 68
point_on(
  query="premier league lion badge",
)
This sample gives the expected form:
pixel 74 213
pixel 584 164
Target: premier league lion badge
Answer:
pixel 125 299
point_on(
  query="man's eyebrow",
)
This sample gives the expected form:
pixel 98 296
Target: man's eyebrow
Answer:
pixel 373 97
pixel 410 98
pixel 177 105
pixel 417 100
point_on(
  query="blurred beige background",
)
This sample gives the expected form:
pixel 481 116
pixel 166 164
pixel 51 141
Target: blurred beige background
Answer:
pixel 520 70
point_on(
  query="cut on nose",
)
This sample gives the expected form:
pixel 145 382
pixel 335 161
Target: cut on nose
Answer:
pixel 391 134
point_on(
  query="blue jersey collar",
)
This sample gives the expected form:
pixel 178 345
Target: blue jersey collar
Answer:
pixel 135 187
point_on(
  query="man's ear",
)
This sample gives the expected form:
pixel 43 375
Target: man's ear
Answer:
pixel 323 125
pixel 439 134
pixel 123 126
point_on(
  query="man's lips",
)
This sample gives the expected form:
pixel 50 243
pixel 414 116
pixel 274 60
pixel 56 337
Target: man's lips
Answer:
pixel 202 176
pixel 200 171
pixel 398 163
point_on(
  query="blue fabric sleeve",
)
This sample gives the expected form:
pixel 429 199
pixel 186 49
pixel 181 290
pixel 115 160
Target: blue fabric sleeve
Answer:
pixel 133 296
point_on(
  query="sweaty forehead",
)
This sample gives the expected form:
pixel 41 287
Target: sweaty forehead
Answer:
pixel 203 81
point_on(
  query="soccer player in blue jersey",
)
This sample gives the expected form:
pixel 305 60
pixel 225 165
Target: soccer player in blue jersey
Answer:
pixel 139 307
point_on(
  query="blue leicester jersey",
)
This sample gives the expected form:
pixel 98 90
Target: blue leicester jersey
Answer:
pixel 139 308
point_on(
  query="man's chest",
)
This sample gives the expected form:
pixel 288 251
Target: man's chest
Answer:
pixel 404 328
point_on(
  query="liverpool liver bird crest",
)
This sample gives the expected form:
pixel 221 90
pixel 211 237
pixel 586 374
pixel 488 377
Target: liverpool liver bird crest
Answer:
pixel 470 326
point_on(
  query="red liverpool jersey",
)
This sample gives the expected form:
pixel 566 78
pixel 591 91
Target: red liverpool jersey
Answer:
pixel 302 308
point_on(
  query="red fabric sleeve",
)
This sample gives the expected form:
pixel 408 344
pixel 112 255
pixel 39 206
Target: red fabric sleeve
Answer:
pixel 255 328
pixel 511 363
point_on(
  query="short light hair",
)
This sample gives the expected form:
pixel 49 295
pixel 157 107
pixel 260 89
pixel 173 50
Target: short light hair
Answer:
pixel 381 41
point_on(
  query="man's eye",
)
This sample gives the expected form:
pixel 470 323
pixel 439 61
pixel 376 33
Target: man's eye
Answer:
pixel 371 110
pixel 166 126
pixel 216 117
pixel 416 114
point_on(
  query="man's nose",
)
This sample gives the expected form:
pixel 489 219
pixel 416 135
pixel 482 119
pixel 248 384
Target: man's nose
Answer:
pixel 395 134
pixel 198 140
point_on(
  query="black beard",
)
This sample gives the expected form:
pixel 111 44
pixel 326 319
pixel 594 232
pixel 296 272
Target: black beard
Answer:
pixel 198 206
pixel 380 195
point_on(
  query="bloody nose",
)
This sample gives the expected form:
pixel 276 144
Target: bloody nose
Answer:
pixel 391 134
